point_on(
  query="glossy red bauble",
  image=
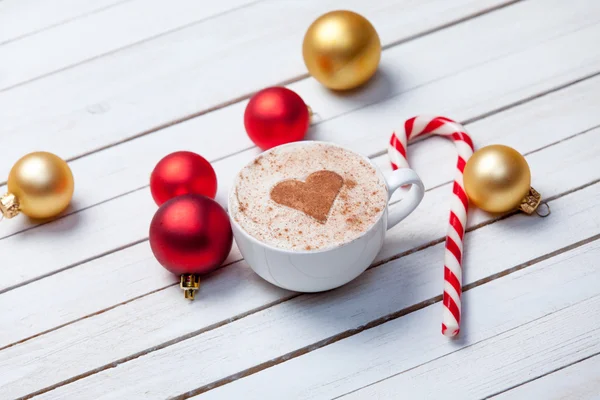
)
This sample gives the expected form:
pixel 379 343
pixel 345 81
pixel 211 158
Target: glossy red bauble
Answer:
pixel 276 116
pixel 181 173
pixel 190 234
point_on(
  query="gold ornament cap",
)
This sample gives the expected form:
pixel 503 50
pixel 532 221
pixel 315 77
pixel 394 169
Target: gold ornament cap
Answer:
pixel 531 202
pixel 190 284
pixel 9 206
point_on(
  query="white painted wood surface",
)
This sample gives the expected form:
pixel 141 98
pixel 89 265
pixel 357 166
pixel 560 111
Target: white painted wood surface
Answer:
pixel 114 230
pixel 518 321
pixel 577 381
pixel 114 85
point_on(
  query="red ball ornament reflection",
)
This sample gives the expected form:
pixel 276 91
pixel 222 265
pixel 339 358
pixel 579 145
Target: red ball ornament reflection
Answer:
pixel 181 173
pixel 276 116
pixel 190 234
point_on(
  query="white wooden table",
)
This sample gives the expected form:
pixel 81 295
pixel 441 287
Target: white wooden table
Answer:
pixel 113 85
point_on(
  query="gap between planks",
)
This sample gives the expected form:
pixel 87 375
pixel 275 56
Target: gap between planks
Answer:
pixel 64 21
pixel 160 289
pixel 245 96
pixel 327 341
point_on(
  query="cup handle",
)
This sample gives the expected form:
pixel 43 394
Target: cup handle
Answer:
pixel 397 179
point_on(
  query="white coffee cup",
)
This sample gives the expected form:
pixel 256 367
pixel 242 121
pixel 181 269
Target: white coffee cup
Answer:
pixel 319 270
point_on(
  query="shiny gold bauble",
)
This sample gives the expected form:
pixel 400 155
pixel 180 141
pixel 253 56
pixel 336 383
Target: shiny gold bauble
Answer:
pixel 497 178
pixel 341 50
pixel 42 183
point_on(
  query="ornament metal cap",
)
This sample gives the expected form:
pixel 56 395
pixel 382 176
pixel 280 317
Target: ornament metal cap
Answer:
pixel 9 206
pixel 531 203
pixel 190 283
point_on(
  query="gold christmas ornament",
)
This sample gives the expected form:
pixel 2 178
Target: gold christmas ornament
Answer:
pixel 40 185
pixel 341 50
pixel 497 179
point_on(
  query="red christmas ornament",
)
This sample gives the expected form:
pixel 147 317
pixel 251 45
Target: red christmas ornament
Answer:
pixel 181 173
pixel 189 235
pixel 276 116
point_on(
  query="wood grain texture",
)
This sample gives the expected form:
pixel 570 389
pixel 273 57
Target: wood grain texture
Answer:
pixel 113 234
pixel 188 72
pixel 309 319
pixel 579 381
pixel 268 334
pixel 85 310
pixel 101 33
pixel 22 18
pixel 510 332
pixel 136 272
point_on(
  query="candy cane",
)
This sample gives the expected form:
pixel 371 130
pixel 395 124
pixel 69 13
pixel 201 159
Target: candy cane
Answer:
pixel 420 126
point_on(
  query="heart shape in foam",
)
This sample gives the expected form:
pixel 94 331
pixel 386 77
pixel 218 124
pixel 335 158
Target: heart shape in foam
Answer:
pixel 313 197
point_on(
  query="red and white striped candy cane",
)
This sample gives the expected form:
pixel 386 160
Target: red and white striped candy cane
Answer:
pixel 420 126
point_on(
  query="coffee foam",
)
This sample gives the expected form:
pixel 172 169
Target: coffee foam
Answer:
pixel 359 203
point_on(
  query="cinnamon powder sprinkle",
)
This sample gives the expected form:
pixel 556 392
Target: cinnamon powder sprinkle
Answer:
pixel 353 220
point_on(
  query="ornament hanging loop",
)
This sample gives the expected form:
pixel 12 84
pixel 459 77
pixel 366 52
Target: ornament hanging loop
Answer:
pixel 532 202
pixel 543 210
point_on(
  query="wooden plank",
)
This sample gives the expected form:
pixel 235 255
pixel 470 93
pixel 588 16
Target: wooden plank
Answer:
pixel 579 381
pixel 310 321
pixel 108 100
pixel 577 157
pixel 26 17
pixel 515 328
pixel 101 33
